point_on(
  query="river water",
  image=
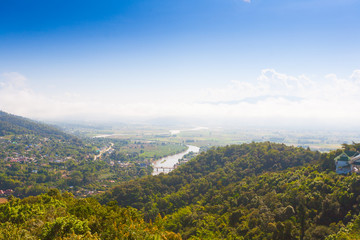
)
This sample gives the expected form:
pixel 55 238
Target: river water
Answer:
pixel 170 161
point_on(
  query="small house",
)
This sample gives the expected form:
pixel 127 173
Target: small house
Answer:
pixel 348 162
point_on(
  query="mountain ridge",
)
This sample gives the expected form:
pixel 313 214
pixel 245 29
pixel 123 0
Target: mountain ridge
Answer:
pixel 11 124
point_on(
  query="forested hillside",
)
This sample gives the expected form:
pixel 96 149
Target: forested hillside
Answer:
pixel 35 157
pixel 297 203
pixel 249 191
pixel 211 170
pixel 61 216
pixel 12 124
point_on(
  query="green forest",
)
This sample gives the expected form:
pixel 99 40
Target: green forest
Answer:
pixel 249 191
pixel 58 215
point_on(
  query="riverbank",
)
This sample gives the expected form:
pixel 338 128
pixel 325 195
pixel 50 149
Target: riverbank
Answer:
pixel 167 164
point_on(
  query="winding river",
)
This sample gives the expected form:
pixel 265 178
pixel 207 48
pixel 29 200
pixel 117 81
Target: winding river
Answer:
pixel 170 161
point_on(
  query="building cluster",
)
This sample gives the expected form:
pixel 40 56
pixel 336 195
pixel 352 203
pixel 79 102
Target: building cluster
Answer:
pixel 20 159
pixel 6 192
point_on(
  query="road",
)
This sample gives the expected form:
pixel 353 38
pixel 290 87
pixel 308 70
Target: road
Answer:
pixel 103 151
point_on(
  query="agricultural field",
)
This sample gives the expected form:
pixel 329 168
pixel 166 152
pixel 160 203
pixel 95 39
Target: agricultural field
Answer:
pixel 323 141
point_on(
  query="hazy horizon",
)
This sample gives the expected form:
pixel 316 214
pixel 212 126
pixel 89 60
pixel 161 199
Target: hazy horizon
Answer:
pixel 232 62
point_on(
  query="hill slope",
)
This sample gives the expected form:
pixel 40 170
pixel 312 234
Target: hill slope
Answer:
pixel 14 125
pixel 216 168
pixel 61 216
pixel 248 191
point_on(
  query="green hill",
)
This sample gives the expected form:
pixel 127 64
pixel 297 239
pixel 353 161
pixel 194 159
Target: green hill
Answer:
pixel 61 216
pixel 248 191
pixel 214 169
pixel 35 156
pixel 16 125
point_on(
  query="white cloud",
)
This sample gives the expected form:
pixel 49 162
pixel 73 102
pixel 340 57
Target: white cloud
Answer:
pixel 355 76
pixel 272 95
pixel 13 80
pixel 248 1
pixel 269 83
pixel 281 96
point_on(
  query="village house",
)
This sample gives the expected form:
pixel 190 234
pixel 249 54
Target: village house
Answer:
pixel 348 162
pixel 6 192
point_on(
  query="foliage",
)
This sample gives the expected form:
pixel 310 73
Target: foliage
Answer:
pixel 11 125
pixel 248 191
pixel 350 232
pixel 211 170
pixel 61 216
pixel 35 157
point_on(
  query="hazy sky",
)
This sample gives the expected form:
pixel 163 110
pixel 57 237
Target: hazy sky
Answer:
pixel 288 61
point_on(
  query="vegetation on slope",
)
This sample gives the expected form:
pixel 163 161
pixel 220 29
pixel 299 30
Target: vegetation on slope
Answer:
pixel 350 232
pixel 61 216
pixel 16 125
pixel 211 170
pixel 249 191
pixel 35 157
pixel 296 203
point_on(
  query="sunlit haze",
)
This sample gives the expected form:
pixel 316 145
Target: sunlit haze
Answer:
pixel 283 63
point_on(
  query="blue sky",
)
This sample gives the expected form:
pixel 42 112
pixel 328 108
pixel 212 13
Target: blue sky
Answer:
pixel 146 58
